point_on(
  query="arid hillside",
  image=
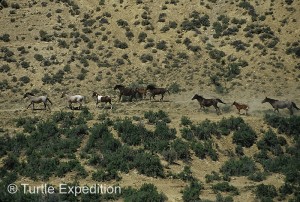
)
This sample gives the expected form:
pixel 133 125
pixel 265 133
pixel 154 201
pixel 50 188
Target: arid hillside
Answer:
pixel 233 50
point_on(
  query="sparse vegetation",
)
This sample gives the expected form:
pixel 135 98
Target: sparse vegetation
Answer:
pixel 197 47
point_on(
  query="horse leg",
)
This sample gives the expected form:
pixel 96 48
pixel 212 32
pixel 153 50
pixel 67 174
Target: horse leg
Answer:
pixel 32 105
pixel 45 106
pixel 217 109
pixel 162 97
pixel 110 104
pixel 29 105
pixel 291 111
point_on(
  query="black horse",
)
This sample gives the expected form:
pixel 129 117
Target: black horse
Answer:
pixel 208 102
pixel 126 92
pixel 157 91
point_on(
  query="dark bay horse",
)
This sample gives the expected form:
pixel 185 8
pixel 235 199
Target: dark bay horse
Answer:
pixel 100 98
pixel 73 99
pixel 281 104
pixel 39 99
pixel 208 102
pixel 239 106
pixel 126 92
pixel 157 91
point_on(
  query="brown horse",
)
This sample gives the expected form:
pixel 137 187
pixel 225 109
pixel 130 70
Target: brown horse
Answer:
pixel 126 92
pixel 142 92
pixel 281 104
pixel 157 91
pixel 208 102
pixel 241 106
pixel 39 99
pixel 105 99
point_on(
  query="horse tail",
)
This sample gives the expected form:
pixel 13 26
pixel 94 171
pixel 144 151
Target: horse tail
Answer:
pixel 220 101
pixel 49 100
pixel 294 105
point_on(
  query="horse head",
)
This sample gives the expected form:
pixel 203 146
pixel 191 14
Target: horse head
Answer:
pixel 95 94
pixel 234 103
pixel 196 96
pixel 118 86
pixel 26 94
pixel 265 100
pixel 150 87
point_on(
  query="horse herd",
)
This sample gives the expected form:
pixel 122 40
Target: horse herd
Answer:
pixel 153 91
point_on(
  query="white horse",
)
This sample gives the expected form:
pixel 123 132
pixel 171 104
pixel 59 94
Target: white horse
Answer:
pixel 73 99
pixel 105 99
pixel 39 99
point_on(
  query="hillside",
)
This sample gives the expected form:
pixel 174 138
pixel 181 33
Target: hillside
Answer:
pixel 233 50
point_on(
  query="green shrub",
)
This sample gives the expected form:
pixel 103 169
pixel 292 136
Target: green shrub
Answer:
pixel 192 192
pixel 187 133
pixel 155 117
pixel 5 37
pixel 25 64
pixel 169 155
pixel 119 44
pixel 162 45
pixel 239 167
pixel 174 88
pixel 142 36
pixel 220 198
pixel 225 187
pixel 182 149
pixel 204 130
pixel 39 57
pixel 24 79
pixel 203 150
pixel 185 121
pixel 216 54
pixel 245 136
pixel 11 162
pixel 148 164
pixel 239 150
pixel 289 126
pixel 265 192
pixel 270 142
pixel 147 192
pixel 103 175
pixel 257 177
pixel 146 57
pixel 212 177
pixel 4 68
pixel 186 174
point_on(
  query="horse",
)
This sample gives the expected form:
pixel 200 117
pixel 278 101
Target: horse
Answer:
pixel 157 91
pixel 34 99
pixel 142 92
pixel 208 102
pixel 281 104
pixel 241 106
pixel 73 99
pixel 105 99
pixel 126 92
